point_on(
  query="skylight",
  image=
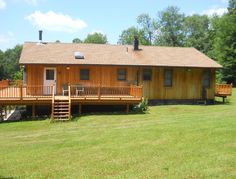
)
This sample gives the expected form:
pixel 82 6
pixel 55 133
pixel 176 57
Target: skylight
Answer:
pixel 78 55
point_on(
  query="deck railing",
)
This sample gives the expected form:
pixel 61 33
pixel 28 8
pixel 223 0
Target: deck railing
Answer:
pixel 10 92
pixel 53 100
pixel 25 91
pixel 69 96
pixel 106 91
pixel 136 91
pixel 39 91
pixel 223 89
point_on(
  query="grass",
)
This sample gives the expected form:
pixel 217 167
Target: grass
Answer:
pixel 176 141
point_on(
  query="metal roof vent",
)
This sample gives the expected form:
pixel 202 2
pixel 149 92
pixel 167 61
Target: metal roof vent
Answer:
pixel 78 55
pixel 40 35
pixel 136 43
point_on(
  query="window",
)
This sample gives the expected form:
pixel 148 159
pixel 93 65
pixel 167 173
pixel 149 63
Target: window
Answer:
pixel 147 74
pixel 84 74
pixel 168 76
pixel 206 79
pixel 121 74
pixel 49 74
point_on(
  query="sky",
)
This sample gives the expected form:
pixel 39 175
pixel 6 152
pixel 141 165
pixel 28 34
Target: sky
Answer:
pixel 63 20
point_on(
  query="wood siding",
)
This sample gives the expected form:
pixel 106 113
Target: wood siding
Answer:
pixel 187 82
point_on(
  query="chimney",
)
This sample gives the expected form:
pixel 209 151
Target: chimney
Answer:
pixel 136 43
pixel 40 35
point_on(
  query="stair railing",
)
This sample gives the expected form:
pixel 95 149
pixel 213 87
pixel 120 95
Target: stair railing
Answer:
pixel 69 96
pixel 53 98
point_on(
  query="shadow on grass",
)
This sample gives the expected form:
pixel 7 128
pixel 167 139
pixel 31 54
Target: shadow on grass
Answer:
pixel 25 120
pixel 220 102
pixel 77 117
pixel 1 177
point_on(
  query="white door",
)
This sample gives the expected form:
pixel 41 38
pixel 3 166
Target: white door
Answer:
pixel 50 77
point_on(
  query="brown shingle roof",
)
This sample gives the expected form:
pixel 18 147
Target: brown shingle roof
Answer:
pixel 95 54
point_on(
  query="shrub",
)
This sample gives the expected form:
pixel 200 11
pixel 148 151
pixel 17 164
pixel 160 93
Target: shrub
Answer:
pixel 142 106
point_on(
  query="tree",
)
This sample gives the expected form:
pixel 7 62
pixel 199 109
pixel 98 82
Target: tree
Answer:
pixel 57 41
pixel 224 43
pixel 97 38
pixel 1 65
pixel 170 25
pixel 10 62
pixel 77 40
pixel 232 6
pixel 18 75
pixel 127 36
pixel 148 26
pixel 196 32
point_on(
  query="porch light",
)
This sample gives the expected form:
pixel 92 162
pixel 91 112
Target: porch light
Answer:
pixel 67 67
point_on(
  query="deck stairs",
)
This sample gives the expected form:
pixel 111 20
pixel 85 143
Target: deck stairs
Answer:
pixel 61 108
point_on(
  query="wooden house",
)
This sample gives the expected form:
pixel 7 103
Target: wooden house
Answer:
pixel 114 74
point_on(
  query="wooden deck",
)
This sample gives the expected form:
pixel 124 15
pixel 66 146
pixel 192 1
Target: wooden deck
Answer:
pixel 24 95
pixel 223 90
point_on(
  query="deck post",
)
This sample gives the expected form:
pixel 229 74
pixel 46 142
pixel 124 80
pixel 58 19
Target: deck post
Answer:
pixel 99 92
pixel 141 92
pixel 80 109
pixel 127 108
pixel 21 92
pixel 33 111
pixel 5 111
pixel 1 113
pixel 223 99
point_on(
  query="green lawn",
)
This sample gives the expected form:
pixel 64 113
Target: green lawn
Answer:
pixel 177 141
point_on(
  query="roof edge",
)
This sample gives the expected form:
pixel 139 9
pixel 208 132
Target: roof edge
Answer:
pixel 121 65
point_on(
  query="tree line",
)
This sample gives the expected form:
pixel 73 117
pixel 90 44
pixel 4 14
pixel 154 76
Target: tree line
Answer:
pixel 96 37
pixel 215 36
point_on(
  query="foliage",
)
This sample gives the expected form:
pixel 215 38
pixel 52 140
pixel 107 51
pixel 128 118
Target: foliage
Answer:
pixel 224 45
pixel 196 32
pixel 1 65
pixel 18 75
pixel 174 141
pixel 142 106
pixel 171 23
pixel 77 40
pixel 232 6
pixel 97 38
pixel 9 62
pixel 148 26
pixel 127 36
